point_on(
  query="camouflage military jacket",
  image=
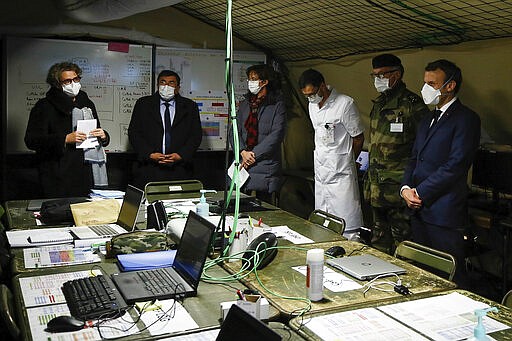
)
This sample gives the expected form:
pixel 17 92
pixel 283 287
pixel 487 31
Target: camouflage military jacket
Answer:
pixel 393 121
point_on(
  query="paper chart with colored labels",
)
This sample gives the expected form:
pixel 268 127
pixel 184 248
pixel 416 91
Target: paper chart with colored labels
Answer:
pixel 43 290
pixel 58 255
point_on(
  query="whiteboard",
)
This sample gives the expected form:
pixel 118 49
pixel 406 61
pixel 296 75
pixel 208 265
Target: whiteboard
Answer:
pixel 202 74
pixel 114 80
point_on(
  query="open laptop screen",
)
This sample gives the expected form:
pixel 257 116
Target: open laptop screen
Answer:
pixel 197 234
pixel 130 207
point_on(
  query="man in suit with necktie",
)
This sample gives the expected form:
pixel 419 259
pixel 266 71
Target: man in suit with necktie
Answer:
pixel 435 180
pixel 165 132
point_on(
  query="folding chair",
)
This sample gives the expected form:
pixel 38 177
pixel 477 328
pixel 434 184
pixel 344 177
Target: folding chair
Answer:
pixel 507 299
pixel 328 220
pixel 7 312
pixel 161 190
pixel 432 258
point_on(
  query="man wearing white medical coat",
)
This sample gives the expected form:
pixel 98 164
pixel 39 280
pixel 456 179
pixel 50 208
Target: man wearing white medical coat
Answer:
pixel 338 141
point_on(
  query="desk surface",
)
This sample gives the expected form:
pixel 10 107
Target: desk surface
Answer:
pixel 504 314
pixel 280 278
pixel 204 308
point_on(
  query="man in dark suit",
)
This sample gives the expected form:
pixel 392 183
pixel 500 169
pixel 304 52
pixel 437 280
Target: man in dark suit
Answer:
pixel 165 132
pixel 435 180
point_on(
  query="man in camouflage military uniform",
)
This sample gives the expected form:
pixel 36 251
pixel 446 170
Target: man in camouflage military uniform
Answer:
pixel 393 121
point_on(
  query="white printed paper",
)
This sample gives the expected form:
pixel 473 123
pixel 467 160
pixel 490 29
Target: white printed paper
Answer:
pixel 243 175
pixel 42 290
pixel 85 126
pixel 290 235
pixel 58 255
pixel 168 319
pixel 333 281
pixel 361 324
pixel 446 317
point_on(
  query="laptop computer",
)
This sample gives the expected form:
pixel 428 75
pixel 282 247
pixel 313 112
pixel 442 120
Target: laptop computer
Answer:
pixel 126 219
pixel 184 273
pixel 365 267
pixel 240 325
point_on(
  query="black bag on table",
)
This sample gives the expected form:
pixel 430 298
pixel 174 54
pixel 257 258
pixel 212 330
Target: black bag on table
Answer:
pixel 58 212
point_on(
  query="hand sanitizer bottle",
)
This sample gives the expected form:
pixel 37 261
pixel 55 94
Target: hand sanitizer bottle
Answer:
pixel 479 333
pixel 203 208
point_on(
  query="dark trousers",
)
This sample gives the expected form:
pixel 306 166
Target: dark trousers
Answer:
pixel 449 240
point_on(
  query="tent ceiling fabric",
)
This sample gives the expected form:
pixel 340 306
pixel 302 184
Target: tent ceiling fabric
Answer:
pixel 327 29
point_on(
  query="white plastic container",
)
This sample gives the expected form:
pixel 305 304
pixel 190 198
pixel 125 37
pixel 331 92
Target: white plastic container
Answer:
pixel 315 274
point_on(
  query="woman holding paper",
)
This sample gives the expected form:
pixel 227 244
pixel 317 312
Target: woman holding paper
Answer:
pixel 71 161
pixel 261 122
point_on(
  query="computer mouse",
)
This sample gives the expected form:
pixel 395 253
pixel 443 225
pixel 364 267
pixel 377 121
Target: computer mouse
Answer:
pixel 335 251
pixel 259 245
pixel 64 324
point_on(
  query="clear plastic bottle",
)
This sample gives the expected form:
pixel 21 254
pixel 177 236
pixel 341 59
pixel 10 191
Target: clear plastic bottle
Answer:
pixel 315 274
pixel 203 208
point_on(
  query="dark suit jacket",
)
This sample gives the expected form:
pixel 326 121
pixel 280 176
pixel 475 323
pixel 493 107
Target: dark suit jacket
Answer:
pixel 146 133
pixel 439 165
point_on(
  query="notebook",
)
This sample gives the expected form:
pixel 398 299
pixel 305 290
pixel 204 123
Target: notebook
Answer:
pixel 125 221
pixel 185 271
pixel 240 325
pixel 365 267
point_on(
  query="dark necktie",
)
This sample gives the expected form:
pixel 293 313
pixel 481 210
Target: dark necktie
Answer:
pixel 435 115
pixel 167 133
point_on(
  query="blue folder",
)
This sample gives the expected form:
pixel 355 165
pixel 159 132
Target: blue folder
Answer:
pixel 146 260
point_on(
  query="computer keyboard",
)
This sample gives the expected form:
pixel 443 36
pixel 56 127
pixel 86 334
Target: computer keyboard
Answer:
pixel 158 281
pixel 104 230
pixel 93 297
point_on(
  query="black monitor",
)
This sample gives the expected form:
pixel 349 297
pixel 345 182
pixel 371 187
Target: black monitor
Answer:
pixel 240 325
pixel 492 169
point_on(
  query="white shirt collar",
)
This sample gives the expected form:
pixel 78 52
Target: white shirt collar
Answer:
pixel 447 105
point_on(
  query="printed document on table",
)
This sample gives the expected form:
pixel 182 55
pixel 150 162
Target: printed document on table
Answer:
pixel 361 324
pixel 333 281
pixel 170 317
pixel 85 126
pixel 40 316
pixel 205 335
pixel 445 317
pixel 43 290
pixel 39 237
pixel 58 255
pixel 290 235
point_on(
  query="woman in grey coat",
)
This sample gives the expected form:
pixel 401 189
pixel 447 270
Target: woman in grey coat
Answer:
pixel 261 122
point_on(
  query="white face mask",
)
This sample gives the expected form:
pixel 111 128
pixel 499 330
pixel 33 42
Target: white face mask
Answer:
pixel 254 87
pixel 315 99
pixel 72 89
pixel 430 95
pixel 381 84
pixel 166 92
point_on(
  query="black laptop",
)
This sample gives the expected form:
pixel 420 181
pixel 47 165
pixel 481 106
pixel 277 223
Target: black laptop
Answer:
pixel 240 325
pixel 182 278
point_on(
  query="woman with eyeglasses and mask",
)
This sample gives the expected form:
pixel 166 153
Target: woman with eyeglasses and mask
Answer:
pixel 261 122
pixel 64 169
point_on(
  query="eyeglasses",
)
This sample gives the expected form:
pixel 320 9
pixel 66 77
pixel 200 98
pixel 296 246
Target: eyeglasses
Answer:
pixel 381 75
pixel 69 80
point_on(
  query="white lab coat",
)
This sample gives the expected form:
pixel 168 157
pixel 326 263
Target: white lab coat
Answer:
pixel 336 188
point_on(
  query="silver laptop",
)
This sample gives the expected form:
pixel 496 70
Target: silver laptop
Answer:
pixel 365 267
pixel 126 219
pixel 182 278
